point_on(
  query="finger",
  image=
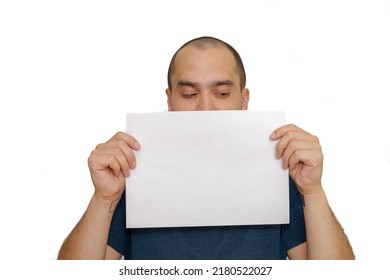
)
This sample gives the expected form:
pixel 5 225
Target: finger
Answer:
pixel 125 158
pixel 117 147
pixel 127 138
pixel 128 154
pixel 281 131
pixel 296 145
pixel 120 136
pixel 310 158
pixel 287 138
pixel 100 163
pixel 122 160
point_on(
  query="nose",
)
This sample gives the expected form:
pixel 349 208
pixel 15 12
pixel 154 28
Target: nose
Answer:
pixel 205 103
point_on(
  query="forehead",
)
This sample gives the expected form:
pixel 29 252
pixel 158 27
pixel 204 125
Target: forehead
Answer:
pixel 204 62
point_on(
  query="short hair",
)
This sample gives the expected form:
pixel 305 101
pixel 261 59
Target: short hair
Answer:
pixel 210 42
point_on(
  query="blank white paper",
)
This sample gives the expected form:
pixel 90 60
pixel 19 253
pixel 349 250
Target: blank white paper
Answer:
pixel 206 168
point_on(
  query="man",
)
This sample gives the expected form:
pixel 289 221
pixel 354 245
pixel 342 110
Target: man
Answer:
pixel 208 74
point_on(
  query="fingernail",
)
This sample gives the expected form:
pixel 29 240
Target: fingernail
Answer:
pixel 137 145
pixel 133 165
pixel 272 137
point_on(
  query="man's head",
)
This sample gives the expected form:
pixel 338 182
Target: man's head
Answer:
pixel 206 74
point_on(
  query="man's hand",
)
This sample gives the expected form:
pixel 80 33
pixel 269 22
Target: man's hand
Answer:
pixel 301 154
pixel 110 164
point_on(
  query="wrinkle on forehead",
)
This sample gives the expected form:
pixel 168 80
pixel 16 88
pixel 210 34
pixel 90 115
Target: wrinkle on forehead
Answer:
pixel 216 83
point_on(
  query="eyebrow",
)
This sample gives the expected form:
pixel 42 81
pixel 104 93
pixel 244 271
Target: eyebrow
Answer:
pixel 183 83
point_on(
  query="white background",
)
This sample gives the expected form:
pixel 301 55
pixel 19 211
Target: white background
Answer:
pixel 71 70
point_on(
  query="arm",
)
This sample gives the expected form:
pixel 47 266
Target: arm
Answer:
pixel 88 240
pixel 109 164
pixel 326 239
pixel 301 154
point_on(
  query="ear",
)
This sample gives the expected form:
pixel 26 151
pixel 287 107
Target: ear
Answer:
pixel 168 92
pixel 245 99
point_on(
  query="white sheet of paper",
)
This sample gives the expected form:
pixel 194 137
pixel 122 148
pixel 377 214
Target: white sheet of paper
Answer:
pixel 206 168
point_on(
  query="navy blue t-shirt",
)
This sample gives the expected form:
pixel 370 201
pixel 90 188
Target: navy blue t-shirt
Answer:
pixel 220 242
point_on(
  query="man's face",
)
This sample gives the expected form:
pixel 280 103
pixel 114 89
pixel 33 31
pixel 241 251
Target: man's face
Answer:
pixel 206 80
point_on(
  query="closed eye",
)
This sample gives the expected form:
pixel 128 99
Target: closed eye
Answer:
pixel 222 94
pixel 189 95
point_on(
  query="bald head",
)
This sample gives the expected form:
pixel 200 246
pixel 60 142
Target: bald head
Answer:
pixel 204 43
